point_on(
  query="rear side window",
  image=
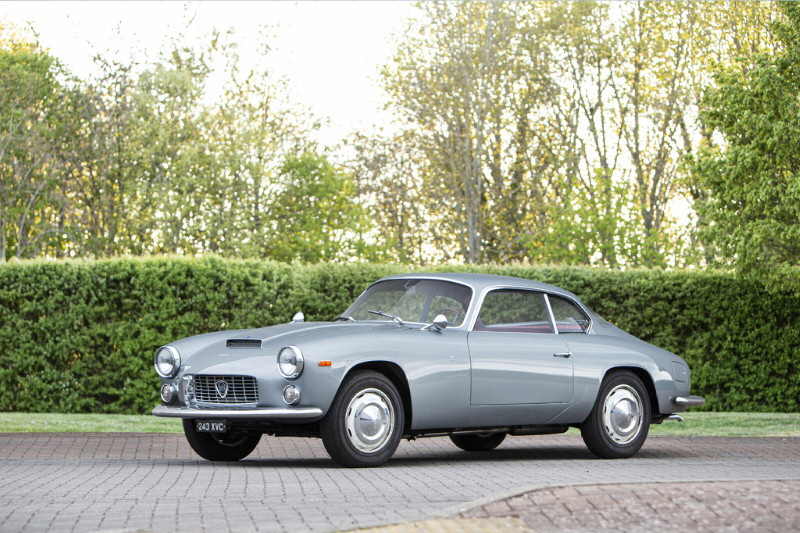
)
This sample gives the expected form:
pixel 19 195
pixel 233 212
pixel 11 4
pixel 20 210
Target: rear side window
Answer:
pixel 516 311
pixel 568 316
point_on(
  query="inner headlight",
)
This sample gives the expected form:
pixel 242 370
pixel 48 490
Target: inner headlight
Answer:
pixel 167 361
pixel 290 362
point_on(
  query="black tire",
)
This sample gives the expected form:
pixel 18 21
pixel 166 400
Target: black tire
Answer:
pixel 480 442
pixel 365 422
pixel 611 434
pixel 230 446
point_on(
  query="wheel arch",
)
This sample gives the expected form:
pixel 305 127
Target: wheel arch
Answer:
pixel 646 378
pixel 398 378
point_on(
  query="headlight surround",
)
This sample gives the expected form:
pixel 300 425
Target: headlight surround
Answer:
pixel 290 362
pixel 167 361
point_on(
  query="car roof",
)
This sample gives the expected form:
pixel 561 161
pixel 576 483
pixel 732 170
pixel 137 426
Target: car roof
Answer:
pixel 480 282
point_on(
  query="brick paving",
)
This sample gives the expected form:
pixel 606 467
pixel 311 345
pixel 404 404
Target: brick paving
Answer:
pixel 95 482
pixel 744 506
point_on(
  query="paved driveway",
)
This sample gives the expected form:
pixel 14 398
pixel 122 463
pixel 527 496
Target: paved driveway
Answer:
pixel 88 482
pixel 741 506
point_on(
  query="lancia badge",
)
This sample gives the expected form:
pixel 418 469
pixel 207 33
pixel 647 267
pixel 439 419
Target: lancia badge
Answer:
pixel 222 388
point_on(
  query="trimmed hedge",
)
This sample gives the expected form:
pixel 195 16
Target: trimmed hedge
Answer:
pixel 79 336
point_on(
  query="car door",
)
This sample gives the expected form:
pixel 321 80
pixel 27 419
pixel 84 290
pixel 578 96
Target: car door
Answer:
pixel 515 355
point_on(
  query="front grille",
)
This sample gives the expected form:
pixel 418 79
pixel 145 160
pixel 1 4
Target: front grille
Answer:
pixel 241 390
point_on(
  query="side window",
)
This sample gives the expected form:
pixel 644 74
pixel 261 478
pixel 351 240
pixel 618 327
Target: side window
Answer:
pixel 512 310
pixel 569 318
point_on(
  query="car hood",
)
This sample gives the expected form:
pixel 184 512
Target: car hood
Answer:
pixel 207 350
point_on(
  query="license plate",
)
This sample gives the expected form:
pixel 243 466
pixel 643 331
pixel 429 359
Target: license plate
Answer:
pixel 211 426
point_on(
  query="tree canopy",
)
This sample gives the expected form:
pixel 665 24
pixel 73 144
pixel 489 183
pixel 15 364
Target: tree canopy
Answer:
pixel 656 134
pixel 554 132
pixel 750 175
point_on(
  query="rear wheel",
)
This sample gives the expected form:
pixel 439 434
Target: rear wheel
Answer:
pixel 479 442
pixel 230 446
pixel 365 422
pixel 620 420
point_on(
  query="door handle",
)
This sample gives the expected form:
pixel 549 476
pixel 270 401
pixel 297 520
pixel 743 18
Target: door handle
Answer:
pixel 565 355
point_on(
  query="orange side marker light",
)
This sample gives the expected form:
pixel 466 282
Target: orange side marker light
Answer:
pixel 324 363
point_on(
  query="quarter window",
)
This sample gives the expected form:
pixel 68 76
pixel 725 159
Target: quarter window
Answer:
pixel 512 310
pixel 569 318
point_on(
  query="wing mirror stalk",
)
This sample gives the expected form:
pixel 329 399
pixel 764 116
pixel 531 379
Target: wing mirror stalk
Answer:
pixel 439 323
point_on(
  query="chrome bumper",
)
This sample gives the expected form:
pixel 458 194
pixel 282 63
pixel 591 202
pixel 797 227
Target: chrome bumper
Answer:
pixel 689 401
pixel 269 413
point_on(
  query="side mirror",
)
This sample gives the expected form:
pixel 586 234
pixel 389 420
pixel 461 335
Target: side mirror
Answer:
pixel 440 321
pixel 299 317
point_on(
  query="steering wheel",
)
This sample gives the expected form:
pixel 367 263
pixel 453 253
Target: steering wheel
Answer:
pixel 443 309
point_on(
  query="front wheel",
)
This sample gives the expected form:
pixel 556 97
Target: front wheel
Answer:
pixel 618 424
pixel 365 423
pixel 480 442
pixel 230 446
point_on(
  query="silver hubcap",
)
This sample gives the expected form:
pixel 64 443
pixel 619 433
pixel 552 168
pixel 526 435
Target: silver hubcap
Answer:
pixel 622 414
pixel 369 420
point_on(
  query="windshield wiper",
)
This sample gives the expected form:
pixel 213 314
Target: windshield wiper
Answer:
pixel 343 317
pixel 387 315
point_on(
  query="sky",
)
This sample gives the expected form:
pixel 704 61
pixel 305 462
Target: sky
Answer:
pixel 330 52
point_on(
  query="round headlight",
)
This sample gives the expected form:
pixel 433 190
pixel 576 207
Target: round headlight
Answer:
pixel 290 362
pixel 167 361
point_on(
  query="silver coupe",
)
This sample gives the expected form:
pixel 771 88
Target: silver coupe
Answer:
pixel 469 356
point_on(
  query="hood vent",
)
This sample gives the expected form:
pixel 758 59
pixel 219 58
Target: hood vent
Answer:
pixel 243 343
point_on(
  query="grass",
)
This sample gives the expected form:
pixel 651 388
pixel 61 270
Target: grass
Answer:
pixel 696 424
pixel 731 425
pixel 61 423
pixel 704 424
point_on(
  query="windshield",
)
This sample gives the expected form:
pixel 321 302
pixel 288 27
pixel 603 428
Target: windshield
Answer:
pixel 413 300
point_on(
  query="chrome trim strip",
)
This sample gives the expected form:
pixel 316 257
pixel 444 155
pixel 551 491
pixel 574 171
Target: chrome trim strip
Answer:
pixel 689 401
pixel 236 406
pixel 550 313
pixel 267 413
